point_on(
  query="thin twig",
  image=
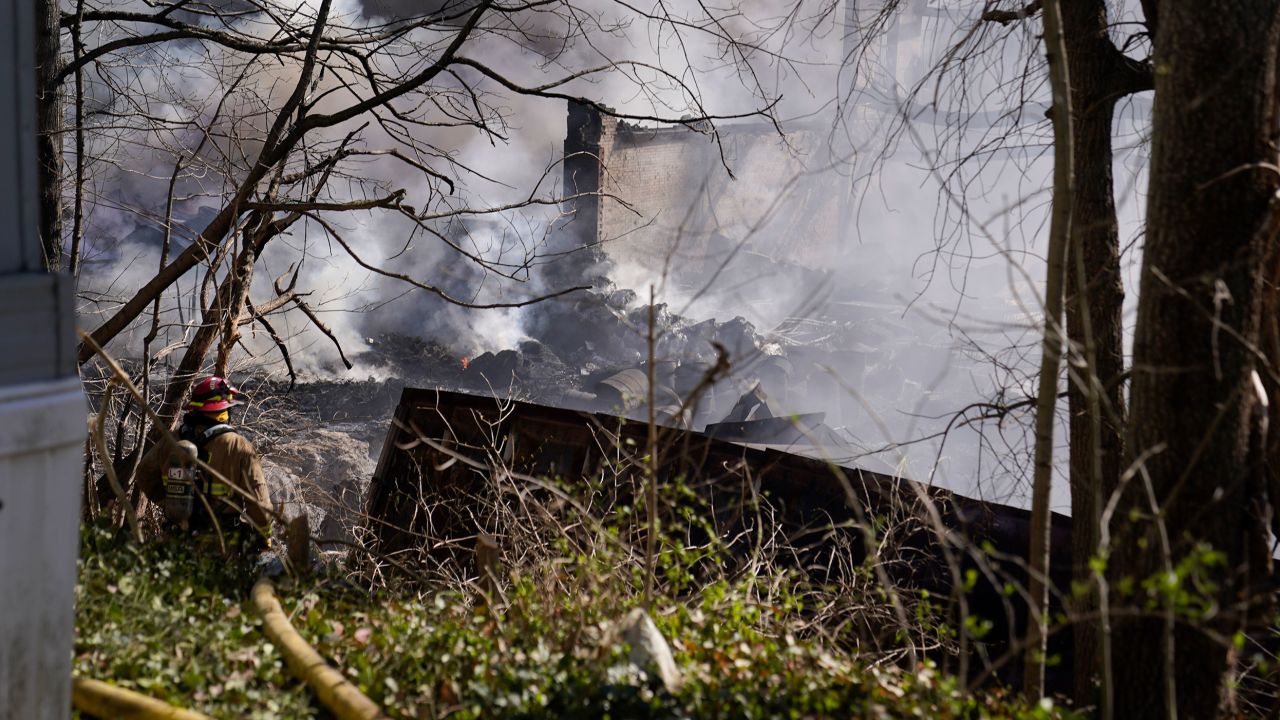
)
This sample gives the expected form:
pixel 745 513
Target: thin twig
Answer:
pixel 100 441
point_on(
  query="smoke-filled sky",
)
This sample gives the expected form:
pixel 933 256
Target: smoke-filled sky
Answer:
pixel 949 215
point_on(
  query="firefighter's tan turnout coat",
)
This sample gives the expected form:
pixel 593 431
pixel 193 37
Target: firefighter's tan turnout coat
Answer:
pixel 235 459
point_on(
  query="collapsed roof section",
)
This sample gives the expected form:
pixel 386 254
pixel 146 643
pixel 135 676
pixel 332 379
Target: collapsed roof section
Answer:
pixel 446 454
pixel 745 223
pixel 433 429
pixel 757 420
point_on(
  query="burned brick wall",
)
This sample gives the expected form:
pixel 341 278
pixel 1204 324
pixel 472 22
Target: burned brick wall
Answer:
pixel 741 223
pixel 582 171
pixel 696 196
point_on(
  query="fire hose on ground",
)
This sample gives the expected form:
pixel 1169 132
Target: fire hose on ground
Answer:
pixel 108 701
pixel 103 700
pixel 335 691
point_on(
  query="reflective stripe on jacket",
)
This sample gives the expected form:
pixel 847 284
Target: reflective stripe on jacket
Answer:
pixel 234 458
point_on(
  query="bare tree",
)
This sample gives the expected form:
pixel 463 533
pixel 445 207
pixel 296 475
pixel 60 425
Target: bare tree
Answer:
pixel 1196 504
pixel 1051 355
pixel 1102 75
pixel 319 115
pixel 49 111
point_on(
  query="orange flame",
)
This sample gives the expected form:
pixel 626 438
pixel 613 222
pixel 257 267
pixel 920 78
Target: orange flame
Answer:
pixel 465 362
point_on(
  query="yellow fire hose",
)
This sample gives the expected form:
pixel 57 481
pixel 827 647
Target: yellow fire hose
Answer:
pixel 337 694
pixel 115 703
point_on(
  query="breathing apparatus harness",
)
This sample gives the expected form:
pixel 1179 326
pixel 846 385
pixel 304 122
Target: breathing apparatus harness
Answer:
pixel 184 479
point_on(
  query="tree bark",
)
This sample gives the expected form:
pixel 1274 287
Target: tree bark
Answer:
pixel 1059 239
pixel 1210 221
pixel 202 340
pixel 241 281
pixel 1094 317
pixel 49 127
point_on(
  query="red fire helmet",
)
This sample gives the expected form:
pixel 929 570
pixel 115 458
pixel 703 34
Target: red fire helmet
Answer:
pixel 214 394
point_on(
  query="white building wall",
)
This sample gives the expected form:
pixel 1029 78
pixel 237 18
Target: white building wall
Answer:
pixel 42 431
pixel 42 415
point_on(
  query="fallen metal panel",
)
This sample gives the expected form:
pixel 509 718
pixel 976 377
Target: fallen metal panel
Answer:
pixel 770 431
pixel 631 385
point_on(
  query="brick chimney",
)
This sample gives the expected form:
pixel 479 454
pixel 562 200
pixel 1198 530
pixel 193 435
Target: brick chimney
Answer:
pixel 586 145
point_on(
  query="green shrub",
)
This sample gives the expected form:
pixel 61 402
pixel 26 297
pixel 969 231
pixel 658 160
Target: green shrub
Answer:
pixel 172 621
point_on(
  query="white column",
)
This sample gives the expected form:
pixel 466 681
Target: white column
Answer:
pixel 42 431
pixel 42 415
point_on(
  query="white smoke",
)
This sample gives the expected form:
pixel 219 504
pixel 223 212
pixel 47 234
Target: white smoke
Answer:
pixel 947 271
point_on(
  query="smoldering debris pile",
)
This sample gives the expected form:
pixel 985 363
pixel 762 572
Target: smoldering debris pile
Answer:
pixel 590 352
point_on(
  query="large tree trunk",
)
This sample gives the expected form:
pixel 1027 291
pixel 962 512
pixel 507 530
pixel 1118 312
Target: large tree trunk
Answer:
pixel 49 127
pixel 1097 70
pixel 1209 224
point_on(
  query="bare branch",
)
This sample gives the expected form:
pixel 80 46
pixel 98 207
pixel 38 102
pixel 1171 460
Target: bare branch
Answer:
pixel 1005 17
pixel 260 317
pixel 315 320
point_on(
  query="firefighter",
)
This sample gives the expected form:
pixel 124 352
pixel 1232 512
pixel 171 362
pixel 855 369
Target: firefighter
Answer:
pixel 187 492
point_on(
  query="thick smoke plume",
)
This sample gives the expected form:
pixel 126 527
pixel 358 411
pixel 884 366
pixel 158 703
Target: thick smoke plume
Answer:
pixel 927 265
